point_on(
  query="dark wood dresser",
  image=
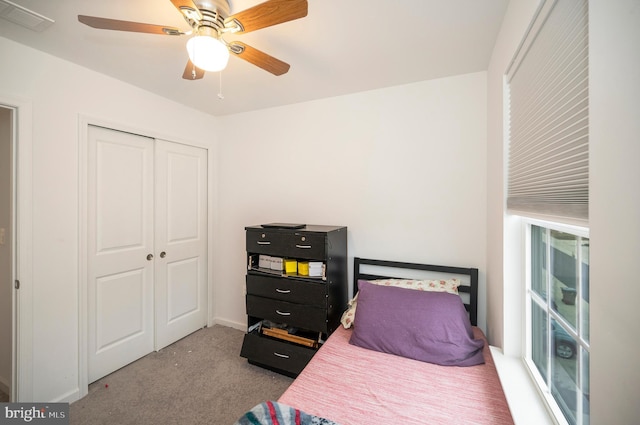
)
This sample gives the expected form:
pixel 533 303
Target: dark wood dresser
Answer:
pixel 296 286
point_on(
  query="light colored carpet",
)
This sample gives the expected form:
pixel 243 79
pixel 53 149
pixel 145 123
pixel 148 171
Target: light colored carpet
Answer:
pixel 200 379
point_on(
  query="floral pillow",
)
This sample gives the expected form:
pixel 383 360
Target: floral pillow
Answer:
pixel 432 285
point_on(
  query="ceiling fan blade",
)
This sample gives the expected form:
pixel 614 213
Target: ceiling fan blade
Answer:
pixel 114 24
pixel 269 13
pixel 258 58
pixel 187 7
pixel 192 72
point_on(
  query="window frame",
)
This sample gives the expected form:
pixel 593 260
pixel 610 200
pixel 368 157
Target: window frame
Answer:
pixel 542 383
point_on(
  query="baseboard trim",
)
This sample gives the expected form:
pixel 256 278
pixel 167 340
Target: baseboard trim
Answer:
pixel 230 324
pixel 68 397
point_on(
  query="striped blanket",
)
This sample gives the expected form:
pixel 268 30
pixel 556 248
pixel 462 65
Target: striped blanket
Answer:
pixel 274 413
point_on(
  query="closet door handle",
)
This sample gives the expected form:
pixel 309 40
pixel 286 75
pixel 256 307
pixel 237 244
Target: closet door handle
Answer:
pixel 283 313
pixel 149 257
pixel 163 254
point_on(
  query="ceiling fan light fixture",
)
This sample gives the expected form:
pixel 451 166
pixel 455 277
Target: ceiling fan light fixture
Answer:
pixel 207 52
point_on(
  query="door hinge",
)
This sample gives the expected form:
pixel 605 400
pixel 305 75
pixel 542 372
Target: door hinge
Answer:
pixel 17 284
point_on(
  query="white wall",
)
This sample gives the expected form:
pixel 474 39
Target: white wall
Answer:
pixel 403 168
pixel 614 209
pixel 60 94
pixel 614 37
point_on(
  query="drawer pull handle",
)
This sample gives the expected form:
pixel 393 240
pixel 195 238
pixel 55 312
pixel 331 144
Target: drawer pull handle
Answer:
pixel 264 243
pixel 284 356
pixel 303 246
pixel 283 313
pixel 283 291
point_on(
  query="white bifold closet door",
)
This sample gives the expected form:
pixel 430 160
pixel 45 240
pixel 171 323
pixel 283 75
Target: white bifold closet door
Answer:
pixel 147 242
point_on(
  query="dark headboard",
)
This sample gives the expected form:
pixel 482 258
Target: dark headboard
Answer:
pixel 368 269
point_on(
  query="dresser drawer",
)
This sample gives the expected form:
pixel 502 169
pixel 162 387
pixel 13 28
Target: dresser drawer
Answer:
pixel 268 242
pixel 310 246
pixel 296 315
pixel 276 354
pixel 284 289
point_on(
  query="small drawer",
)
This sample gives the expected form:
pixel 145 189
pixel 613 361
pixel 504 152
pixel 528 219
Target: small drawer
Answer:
pixel 311 246
pixel 297 315
pixel 276 354
pixel 268 242
pixel 291 290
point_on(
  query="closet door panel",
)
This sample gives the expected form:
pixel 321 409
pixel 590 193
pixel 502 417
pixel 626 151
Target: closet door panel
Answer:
pixel 120 237
pixel 181 241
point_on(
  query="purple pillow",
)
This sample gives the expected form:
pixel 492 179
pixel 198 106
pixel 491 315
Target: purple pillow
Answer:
pixel 427 326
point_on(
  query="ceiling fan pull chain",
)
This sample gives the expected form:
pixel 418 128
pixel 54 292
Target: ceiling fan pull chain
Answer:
pixel 220 95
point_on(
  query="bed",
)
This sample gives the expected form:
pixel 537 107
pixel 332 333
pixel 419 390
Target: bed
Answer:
pixel 391 368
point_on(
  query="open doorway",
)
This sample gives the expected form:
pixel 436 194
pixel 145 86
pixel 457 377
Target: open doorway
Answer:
pixel 7 257
pixel 16 270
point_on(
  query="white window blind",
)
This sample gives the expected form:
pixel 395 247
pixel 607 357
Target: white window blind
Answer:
pixel 549 115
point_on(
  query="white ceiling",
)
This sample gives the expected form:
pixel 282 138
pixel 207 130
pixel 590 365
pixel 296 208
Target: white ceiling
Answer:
pixel 341 47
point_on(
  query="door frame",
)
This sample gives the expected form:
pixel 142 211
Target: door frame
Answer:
pixel 22 249
pixel 84 122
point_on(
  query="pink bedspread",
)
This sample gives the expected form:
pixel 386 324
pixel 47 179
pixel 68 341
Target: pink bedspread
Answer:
pixel 355 386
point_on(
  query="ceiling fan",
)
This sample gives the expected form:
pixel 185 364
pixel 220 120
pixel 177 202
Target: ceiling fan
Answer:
pixel 210 21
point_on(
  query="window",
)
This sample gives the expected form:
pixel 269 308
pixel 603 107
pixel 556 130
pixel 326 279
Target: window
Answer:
pixel 558 317
pixel 547 101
